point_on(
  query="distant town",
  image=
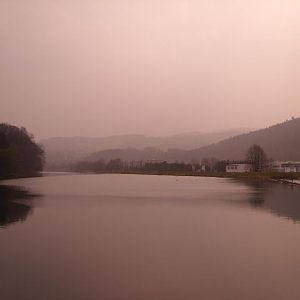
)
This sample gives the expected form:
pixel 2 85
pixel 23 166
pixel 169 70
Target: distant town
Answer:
pixel 273 166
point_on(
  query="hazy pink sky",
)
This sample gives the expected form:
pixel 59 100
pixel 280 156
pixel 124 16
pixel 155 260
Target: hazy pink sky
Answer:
pixel 157 67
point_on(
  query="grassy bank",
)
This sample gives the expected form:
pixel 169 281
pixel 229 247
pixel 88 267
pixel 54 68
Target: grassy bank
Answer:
pixel 252 175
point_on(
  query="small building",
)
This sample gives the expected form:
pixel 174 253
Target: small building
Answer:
pixel 238 168
pixel 203 168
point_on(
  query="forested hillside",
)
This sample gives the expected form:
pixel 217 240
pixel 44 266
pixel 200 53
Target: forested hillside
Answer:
pixel 280 142
pixel 20 156
pixel 64 150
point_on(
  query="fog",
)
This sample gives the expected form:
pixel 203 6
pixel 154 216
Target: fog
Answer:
pixel 155 67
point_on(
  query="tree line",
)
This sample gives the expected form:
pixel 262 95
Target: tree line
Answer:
pixel 20 156
pixel 118 165
pixel 255 156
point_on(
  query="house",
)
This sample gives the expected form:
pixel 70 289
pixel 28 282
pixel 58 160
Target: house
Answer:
pixel 203 168
pixel 238 168
pixel 285 166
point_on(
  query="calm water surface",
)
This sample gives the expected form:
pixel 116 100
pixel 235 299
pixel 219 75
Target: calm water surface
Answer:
pixel 119 237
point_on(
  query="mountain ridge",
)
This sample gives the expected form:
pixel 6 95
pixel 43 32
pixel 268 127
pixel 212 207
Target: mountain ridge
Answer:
pixel 70 149
pixel 280 141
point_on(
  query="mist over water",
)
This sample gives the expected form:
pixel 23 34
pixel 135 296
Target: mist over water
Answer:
pixel 146 237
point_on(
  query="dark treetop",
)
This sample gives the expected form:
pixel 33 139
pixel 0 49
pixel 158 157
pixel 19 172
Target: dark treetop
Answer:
pixel 20 156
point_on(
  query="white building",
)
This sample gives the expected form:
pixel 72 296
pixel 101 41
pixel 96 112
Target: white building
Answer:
pixel 285 166
pixel 238 168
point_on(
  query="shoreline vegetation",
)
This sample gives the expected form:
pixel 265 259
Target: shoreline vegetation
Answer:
pixel 20 155
pixel 256 157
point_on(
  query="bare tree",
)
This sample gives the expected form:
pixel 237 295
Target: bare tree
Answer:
pixel 257 157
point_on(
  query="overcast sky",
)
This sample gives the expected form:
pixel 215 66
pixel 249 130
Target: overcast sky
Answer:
pixel 156 67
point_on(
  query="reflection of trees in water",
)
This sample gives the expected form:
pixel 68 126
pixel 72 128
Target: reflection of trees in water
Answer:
pixel 15 205
pixel 281 199
pixel 258 191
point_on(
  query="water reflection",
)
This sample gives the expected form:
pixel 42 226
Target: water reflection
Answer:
pixel 146 237
pixel 15 205
pixel 280 199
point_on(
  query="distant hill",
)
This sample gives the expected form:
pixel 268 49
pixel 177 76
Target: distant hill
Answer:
pixel 281 142
pixel 63 150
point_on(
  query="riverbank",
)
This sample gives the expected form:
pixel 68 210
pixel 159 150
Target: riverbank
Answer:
pixel 286 178
pixel 22 176
pixel 250 175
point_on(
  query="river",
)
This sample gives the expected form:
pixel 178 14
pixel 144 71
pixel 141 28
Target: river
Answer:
pixel 140 237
